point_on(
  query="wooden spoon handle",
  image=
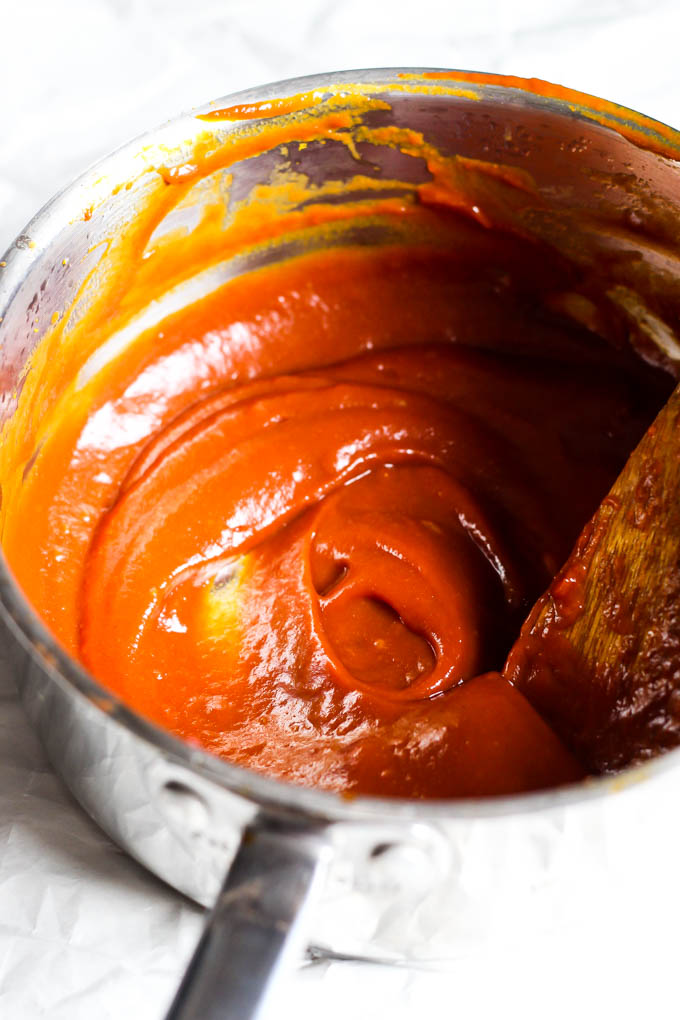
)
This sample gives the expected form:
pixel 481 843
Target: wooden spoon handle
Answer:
pixel 599 654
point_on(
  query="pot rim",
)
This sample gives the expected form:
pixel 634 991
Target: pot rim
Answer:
pixel 33 635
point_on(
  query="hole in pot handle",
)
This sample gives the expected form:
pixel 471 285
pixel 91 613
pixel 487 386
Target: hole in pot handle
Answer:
pixel 256 925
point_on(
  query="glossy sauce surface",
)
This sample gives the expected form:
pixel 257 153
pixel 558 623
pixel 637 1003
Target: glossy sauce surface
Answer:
pixel 301 525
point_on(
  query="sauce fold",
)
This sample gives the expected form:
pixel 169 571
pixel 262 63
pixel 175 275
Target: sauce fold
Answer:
pixel 312 556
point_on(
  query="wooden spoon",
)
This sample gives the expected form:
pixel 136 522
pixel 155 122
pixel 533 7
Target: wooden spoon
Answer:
pixel 599 654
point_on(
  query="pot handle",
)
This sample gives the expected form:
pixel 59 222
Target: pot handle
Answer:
pixel 254 928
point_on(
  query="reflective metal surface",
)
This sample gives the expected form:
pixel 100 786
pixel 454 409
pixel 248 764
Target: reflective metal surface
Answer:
pixel 255 926
pixel 407 880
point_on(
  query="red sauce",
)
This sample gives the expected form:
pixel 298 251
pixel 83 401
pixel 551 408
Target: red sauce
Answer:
pixel 301 522
pixel 301 525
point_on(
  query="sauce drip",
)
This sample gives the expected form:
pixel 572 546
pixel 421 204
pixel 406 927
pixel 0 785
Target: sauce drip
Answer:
pixel 302 528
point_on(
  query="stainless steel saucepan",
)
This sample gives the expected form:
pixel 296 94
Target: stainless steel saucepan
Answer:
pixel 283 868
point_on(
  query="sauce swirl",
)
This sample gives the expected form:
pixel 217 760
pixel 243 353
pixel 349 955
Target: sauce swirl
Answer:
pixel 305 527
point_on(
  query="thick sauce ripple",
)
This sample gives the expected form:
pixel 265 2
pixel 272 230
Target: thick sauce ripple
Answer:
pixel 314 561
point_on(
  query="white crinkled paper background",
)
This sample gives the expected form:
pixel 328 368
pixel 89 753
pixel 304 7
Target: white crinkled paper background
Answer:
pixel 85 933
